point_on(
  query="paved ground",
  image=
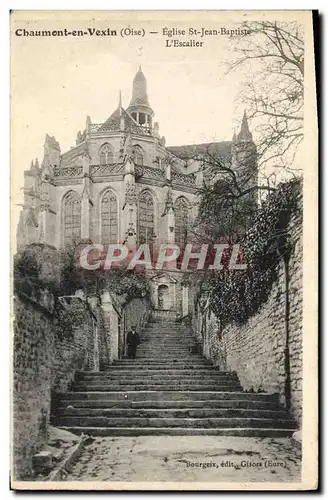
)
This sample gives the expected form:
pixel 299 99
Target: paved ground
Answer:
pixel 189 458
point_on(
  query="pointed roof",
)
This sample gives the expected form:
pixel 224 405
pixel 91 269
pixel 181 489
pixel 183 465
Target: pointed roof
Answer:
pixel 51 141
pixel 217 149
pixel 139 75
pixel 113 122
pixel 245 134
pixel 35 167
pixel 120 102
pixel 139 91
pixel 88 122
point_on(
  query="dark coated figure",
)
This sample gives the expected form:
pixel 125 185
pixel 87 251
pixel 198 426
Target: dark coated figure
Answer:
pixel 132 341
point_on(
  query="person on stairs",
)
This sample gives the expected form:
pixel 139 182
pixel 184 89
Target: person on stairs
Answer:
pixel 132 340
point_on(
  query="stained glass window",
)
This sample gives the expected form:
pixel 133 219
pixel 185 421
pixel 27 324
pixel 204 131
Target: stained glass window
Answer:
pixel 72 218
pixel 109 218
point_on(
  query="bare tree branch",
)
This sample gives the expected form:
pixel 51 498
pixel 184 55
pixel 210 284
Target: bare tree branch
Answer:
pixel 272 88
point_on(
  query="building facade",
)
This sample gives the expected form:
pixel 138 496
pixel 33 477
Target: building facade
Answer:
pixel 120 183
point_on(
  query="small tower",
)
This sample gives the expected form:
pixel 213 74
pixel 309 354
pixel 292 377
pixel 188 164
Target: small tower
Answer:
pixel 243 153
pixel 139 107
pixel 244 134
pixel 51 155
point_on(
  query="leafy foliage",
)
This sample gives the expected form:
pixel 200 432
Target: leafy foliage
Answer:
pixel 59 272
pixel 236 295
pixel 40 269
pixel 121 281
pixel 36 269
pixel 70 317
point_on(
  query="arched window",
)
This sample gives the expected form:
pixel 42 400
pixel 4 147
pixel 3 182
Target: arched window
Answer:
pixel 71 218
pixel 146 218
pixel 106 155
pixel 181 209
pixel 109 218
pixel 137 155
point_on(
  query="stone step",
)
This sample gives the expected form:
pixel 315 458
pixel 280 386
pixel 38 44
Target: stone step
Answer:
pixel 168 350
pixel 166 405
pixel 154 348
pixel 167 336
pixel 159 368
pixel 135 365
pixel 159 330
pixel 165 359
pixel 161 380
pixel 168 340
pixel 225 384
pixel 168 353
pixel 165 355
pixel 156 387
pixel 153 345
pixel 196 361
pixel 184 382
pixel 153 375
pixel 166 332
pixel 178 337
pixel 145 372
pixel 157 380
pixel 158 395
pixel 181 431
pixel 173 343
pixel 172 413
pixel 205 423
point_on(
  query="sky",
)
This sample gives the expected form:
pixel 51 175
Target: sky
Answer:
pixel 57 82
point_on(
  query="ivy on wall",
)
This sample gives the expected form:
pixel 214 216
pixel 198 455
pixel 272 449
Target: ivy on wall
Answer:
pixel 70 317
pixel 236 295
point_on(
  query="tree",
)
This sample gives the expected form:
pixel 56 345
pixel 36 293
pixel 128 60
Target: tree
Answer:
pixel 227 198
pixel 271 58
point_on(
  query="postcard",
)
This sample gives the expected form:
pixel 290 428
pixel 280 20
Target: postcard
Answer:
pixel 164 173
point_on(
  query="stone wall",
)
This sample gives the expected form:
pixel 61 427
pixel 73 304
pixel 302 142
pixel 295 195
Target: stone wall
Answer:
pixel 33 344
pixel 43 365
pixel 72 354
pixel 256 349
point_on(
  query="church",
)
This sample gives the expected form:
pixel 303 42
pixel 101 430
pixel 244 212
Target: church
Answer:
pixel 120 183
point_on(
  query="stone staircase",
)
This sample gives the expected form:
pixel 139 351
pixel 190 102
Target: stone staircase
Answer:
pixel 167 390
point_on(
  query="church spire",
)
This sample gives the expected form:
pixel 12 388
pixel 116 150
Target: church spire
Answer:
pixel 139 107
pixel 120 102
pixel 88 123
pixel 245 134
pixel 139 90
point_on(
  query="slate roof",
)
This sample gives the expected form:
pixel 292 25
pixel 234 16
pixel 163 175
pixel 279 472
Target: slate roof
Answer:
pixel 217 149
pixel 113 122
